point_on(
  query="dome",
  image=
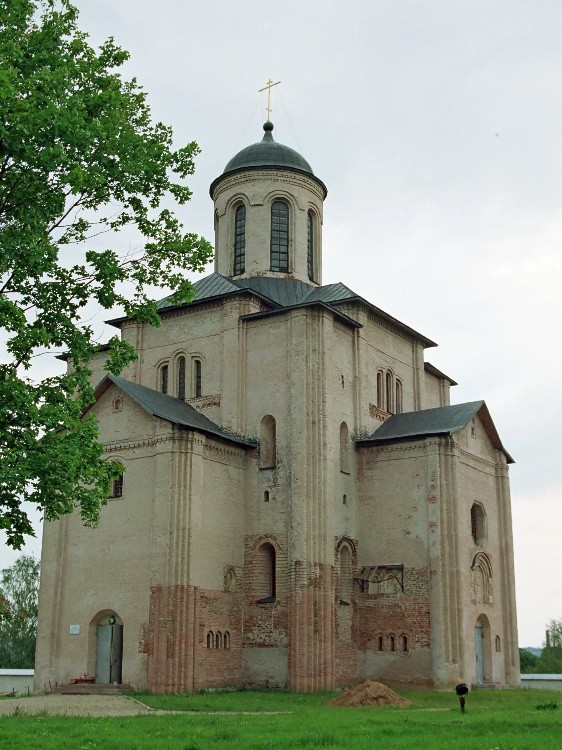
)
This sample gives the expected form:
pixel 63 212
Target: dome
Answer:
pixel 267 154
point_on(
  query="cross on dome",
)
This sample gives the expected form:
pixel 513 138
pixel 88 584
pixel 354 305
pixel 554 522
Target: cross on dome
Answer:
pixel 269 85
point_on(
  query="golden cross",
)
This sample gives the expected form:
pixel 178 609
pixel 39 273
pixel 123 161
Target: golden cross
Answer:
pixel 268 86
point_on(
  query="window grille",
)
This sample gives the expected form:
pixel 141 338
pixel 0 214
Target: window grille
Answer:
pixel 239 240
pixel 279 247
pixel 181 378
pixel 164 378
pixel 310 247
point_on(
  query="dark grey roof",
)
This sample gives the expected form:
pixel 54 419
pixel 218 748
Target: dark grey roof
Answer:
pixel 171 409
pixel 330 293
pixel 267 154
pixel 444 420
pixel 282 293
pixel 432 370
pixel 214 285
pixel 285 292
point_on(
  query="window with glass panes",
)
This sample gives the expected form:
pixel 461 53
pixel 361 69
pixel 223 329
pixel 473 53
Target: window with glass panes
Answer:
pixel 181 378
pixel 239 240
pixel 310 256
pixel 279 248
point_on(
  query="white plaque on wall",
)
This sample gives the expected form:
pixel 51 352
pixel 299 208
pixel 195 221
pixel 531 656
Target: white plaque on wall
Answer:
pixel 75 630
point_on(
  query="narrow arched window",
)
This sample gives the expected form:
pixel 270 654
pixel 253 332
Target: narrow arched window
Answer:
pixel 380 391
pixel 118 487
pixel 226 640
pixel 398 402
pixel 478 524
pixel 218 640
pixel 392 643
pixel 196 386
pixel 279 246
pixel 268 443
pixel 380 643
pixel 265 573
pixel 389 391
pixel 239 240
pixel 344 448
pixel 345 577
pixel 310 246
pixel 405 643
pixel 164 378
pixel 181 378
pixel 210 639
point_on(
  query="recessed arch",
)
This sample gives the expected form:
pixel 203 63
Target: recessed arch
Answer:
pixel 481 579
pixel 265 572
pixel 268 442
pixel 345 573
pixel 344 448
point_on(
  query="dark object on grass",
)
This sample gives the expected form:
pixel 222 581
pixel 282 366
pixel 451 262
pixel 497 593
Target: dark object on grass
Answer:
pixel 461 690
pixel 549 706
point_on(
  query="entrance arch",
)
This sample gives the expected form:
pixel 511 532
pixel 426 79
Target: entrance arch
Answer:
pixel 483 650
pixel 106 639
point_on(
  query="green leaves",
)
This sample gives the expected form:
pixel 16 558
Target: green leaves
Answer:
pixel 79 156
pixel 19 589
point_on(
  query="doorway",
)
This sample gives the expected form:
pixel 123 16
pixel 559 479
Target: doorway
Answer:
pixel 109 652
pixel 482 650
pixel 479 647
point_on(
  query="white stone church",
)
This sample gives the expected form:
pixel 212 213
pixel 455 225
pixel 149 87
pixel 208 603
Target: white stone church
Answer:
pixel 301 506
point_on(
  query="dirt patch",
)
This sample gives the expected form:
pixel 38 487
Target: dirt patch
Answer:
pixel 75 705
pixel 370 693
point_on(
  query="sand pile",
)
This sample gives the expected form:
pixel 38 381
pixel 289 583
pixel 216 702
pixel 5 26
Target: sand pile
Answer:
pixel 370 693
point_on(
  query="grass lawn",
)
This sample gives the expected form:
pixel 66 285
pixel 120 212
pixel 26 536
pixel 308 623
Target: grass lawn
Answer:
pixel 495 720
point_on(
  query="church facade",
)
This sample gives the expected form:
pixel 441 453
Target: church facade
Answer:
pixel 301 506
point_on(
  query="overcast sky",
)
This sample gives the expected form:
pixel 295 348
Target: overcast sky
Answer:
pixel 437 129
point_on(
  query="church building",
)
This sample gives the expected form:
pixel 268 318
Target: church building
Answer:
pixel 301 506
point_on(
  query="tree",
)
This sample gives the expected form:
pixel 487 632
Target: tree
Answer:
pixel 527 660
pixel 19 587
pixel 79 156
pixel 554 629
pixel 550 660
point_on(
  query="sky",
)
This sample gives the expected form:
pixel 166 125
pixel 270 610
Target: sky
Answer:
pixel 437 129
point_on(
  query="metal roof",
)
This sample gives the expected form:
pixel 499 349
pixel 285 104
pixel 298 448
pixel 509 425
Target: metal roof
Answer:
pixel 171 409
pixel 443 420
pixel 285 292
pixel 267 154
pixel 432 370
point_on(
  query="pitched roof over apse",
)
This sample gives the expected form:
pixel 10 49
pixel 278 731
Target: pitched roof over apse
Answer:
pixel 171 409
pixel 444 420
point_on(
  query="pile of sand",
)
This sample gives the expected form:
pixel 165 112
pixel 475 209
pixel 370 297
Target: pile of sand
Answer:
pixel 370 693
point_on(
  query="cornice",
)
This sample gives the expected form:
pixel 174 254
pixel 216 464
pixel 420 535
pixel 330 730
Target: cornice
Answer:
pixel 296 179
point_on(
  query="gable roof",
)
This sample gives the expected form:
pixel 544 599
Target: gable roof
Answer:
pixel 443 420
pixel 166 407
